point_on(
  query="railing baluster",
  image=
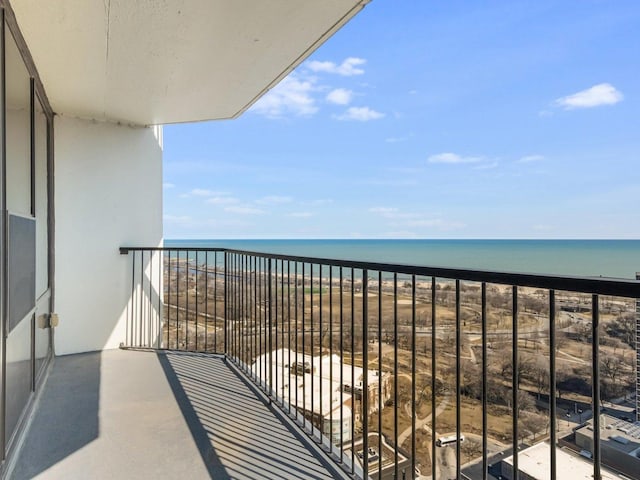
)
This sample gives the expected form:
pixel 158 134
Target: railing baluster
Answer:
pixel 331 435
pixel 552 381
pixel 395 372
pixel 433 378
pixel 485 442
pixel 254 343
pixel 289 332
pixel 353 378
pixel 140 298
pixel 304 383
pixel 413 376
pixel 515 380
pixel 226 314
pixel 239 308
pixel 206 301
pixel 270 325
pixel 148 342
pixel 215 302
pixel 275 324
pixel 365 373
pixel 311 356
pixel 187 310
pixel 246 317
pixel 265 325
pixel 196 309
pixel 282 329
pixel 167 289
pixel 177 306
pixel 458 379
pixel 380 402
pixel 132 323
pixel 320 345
pixel 295 288
pixel 595 383
pixel 342 368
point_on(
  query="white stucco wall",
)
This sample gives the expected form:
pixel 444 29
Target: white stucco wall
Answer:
pixel 108 194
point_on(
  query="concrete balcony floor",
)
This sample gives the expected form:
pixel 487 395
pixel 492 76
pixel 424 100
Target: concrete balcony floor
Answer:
pixel 132 414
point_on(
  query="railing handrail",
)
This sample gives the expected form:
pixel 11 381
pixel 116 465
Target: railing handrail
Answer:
pixel 126 250
pixel 618 287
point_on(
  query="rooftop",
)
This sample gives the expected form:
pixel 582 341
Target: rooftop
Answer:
pixel 617 434
pixel 535 462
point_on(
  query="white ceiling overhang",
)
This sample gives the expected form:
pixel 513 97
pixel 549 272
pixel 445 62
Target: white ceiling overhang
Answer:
pixel 150 62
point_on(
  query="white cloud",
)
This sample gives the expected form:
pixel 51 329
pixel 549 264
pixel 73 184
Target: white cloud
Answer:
pixel 400 234
pixel 530 158
pixel 300 214
pixel 222 200
pixel 274 200
pixel 292 96
pixel 452 158
pixel 319 202
pixel 396 139
pixel 400 219
pixel 168 185
pixel 383 210
pixel 176 219
pixel 202 192
pixel 601 94
pixel 244 210
pixel 486 166
pixel 361 114
pixel 348 68
pixel 340 96
pixel 393 213
pixel 436 223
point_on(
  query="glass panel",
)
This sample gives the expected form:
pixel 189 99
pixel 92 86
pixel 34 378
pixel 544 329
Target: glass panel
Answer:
pixel 42 236
pixel 18 373
pixel 18 148
pixel 41 201
pixel 18 107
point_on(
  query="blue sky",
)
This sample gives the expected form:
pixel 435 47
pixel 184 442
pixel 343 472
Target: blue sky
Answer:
pixel 430 120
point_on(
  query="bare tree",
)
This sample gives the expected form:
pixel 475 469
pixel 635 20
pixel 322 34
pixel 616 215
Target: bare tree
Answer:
pixel 611 367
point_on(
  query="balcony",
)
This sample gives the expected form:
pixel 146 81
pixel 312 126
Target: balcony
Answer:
pixel 247 365
pixel 123 414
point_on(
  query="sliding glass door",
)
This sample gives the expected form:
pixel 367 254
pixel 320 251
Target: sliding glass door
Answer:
pixel 25 239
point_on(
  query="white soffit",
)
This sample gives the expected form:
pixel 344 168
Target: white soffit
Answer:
pixel 165 61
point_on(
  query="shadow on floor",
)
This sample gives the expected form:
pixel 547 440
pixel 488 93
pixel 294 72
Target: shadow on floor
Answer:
pixel 238 436
pixel 57 438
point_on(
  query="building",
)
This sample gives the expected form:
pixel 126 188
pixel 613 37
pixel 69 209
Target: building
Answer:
pixel 381 458
pixel 619 443
pixel 534 463
pixel 323 389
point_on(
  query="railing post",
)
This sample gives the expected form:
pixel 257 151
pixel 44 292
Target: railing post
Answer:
pixel 365 373
pixel 595 380
pixel 269 326
pixel 226 322
pixel 552 382
pixel 515 380
pixel 637 355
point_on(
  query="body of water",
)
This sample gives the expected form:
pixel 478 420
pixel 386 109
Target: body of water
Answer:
pixel 607 258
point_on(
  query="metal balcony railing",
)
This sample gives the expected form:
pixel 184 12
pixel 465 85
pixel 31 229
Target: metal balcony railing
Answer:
pixel 399 371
